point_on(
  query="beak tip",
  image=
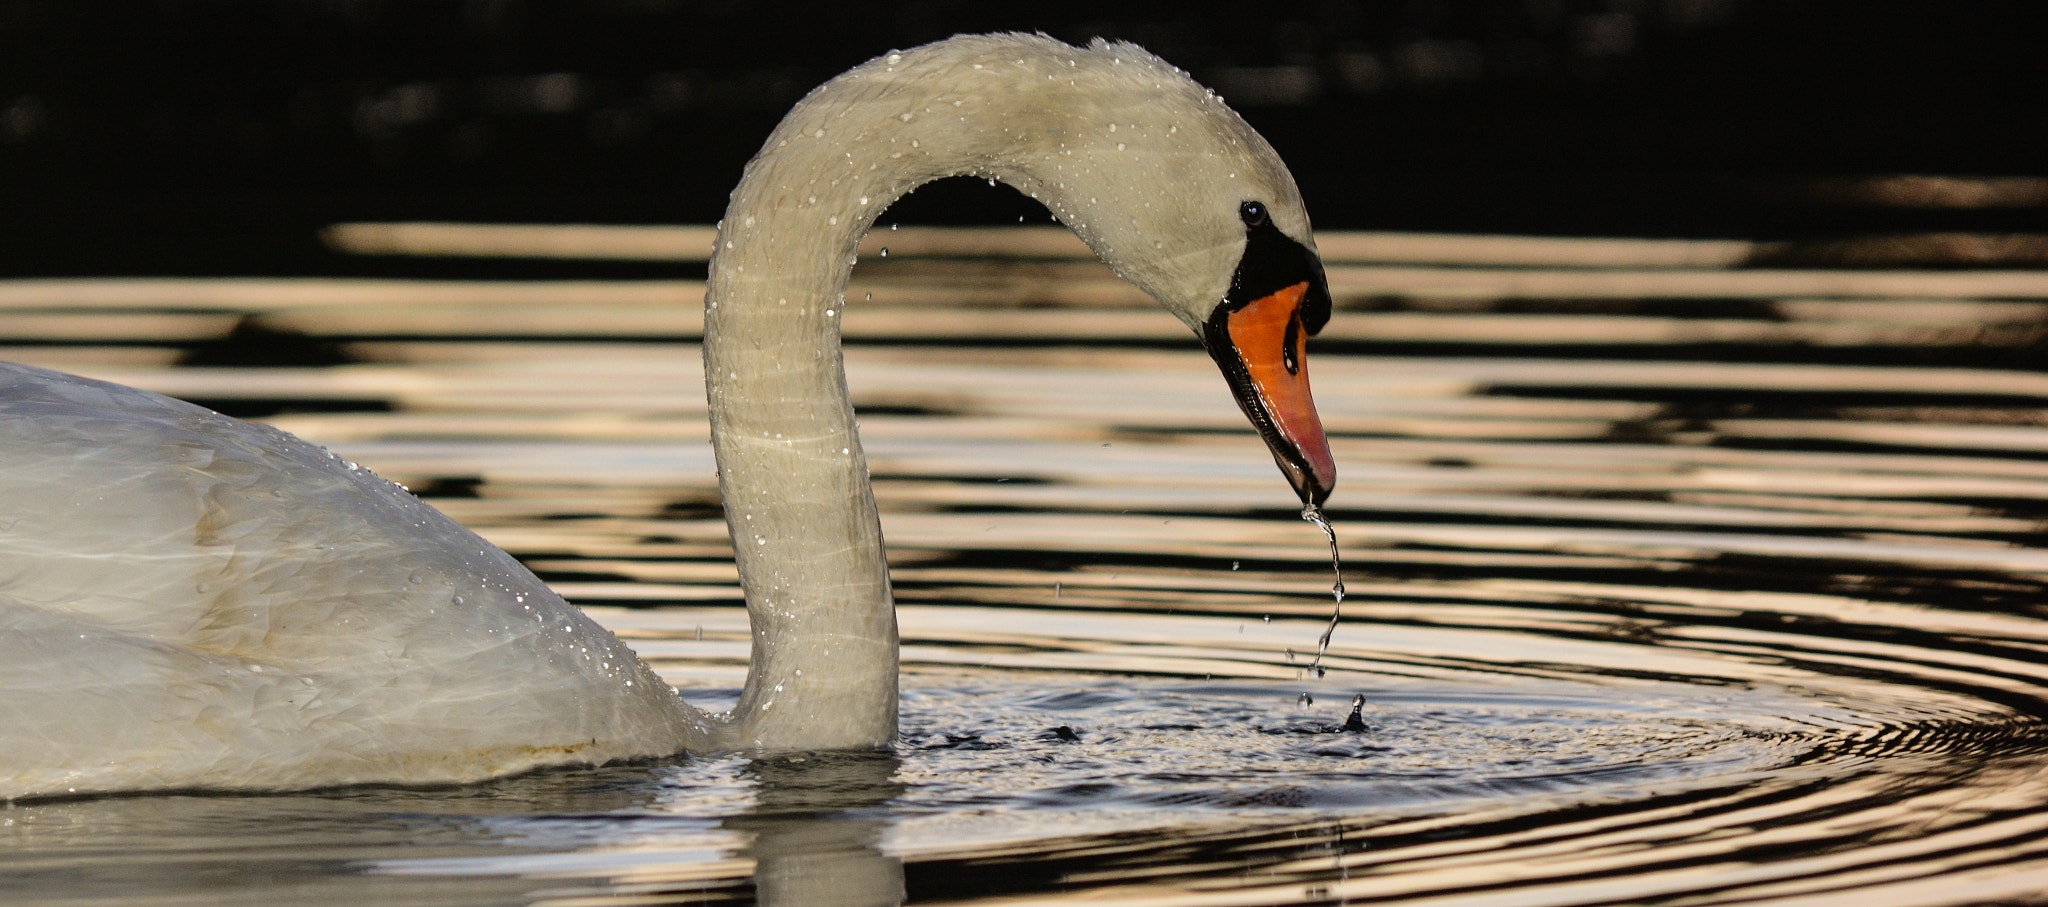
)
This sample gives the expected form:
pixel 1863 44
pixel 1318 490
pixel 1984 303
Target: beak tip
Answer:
pixel 1314 482
pixel 1316 495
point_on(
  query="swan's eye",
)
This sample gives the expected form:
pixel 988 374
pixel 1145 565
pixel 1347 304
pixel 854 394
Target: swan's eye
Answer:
pixel 1254 214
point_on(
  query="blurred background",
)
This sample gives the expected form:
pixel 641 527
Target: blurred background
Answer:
pixel 216 136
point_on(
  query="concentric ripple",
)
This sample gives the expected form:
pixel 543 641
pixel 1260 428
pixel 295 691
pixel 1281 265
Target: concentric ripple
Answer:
pixel 1670 581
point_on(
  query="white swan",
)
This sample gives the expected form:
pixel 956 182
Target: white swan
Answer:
pixel 190 601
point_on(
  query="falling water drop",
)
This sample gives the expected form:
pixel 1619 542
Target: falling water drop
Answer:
pixel 1314 514
pixel 1305 701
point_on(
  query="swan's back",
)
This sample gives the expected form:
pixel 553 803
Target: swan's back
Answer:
pixel 188 600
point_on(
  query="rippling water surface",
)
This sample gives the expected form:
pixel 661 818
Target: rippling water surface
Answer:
pixel 1671 579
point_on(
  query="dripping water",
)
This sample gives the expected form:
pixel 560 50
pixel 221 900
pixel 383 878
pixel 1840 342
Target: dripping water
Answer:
pixel 1314 514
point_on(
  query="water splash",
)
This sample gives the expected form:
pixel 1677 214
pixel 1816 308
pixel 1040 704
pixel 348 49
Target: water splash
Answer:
pixel 1356 722
pixel 1314 514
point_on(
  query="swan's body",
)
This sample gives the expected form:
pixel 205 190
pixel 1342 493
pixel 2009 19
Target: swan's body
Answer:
pixel 188 601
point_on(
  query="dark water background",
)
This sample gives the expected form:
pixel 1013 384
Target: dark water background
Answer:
pixel 211 137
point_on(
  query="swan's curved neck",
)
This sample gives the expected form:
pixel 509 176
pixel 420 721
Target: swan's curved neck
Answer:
pixel 795 482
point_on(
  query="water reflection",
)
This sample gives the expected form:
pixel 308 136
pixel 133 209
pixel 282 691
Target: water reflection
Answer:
pixel 817 830
pixel 1667 579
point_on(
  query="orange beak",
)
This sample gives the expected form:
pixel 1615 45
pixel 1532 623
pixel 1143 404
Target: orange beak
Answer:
pixel 1264 358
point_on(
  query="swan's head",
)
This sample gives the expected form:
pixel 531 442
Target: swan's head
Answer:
pixel 1258 333
pixel 1182 198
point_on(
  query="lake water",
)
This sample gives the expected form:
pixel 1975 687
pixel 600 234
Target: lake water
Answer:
pixel 1670 579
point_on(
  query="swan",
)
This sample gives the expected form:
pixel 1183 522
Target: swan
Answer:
pixel 188 601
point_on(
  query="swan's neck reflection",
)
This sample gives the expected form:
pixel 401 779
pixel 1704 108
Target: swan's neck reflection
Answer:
pixel 817 831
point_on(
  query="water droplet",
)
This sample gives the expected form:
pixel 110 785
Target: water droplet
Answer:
pixel 885 251
pixel 413 579
pixel 1314 514
pixel 1305 701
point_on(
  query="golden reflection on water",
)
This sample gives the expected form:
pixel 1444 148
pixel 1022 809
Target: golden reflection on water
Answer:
pixel 1793 515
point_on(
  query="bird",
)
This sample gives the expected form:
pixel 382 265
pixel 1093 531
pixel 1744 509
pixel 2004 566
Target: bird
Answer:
pixel 193 602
